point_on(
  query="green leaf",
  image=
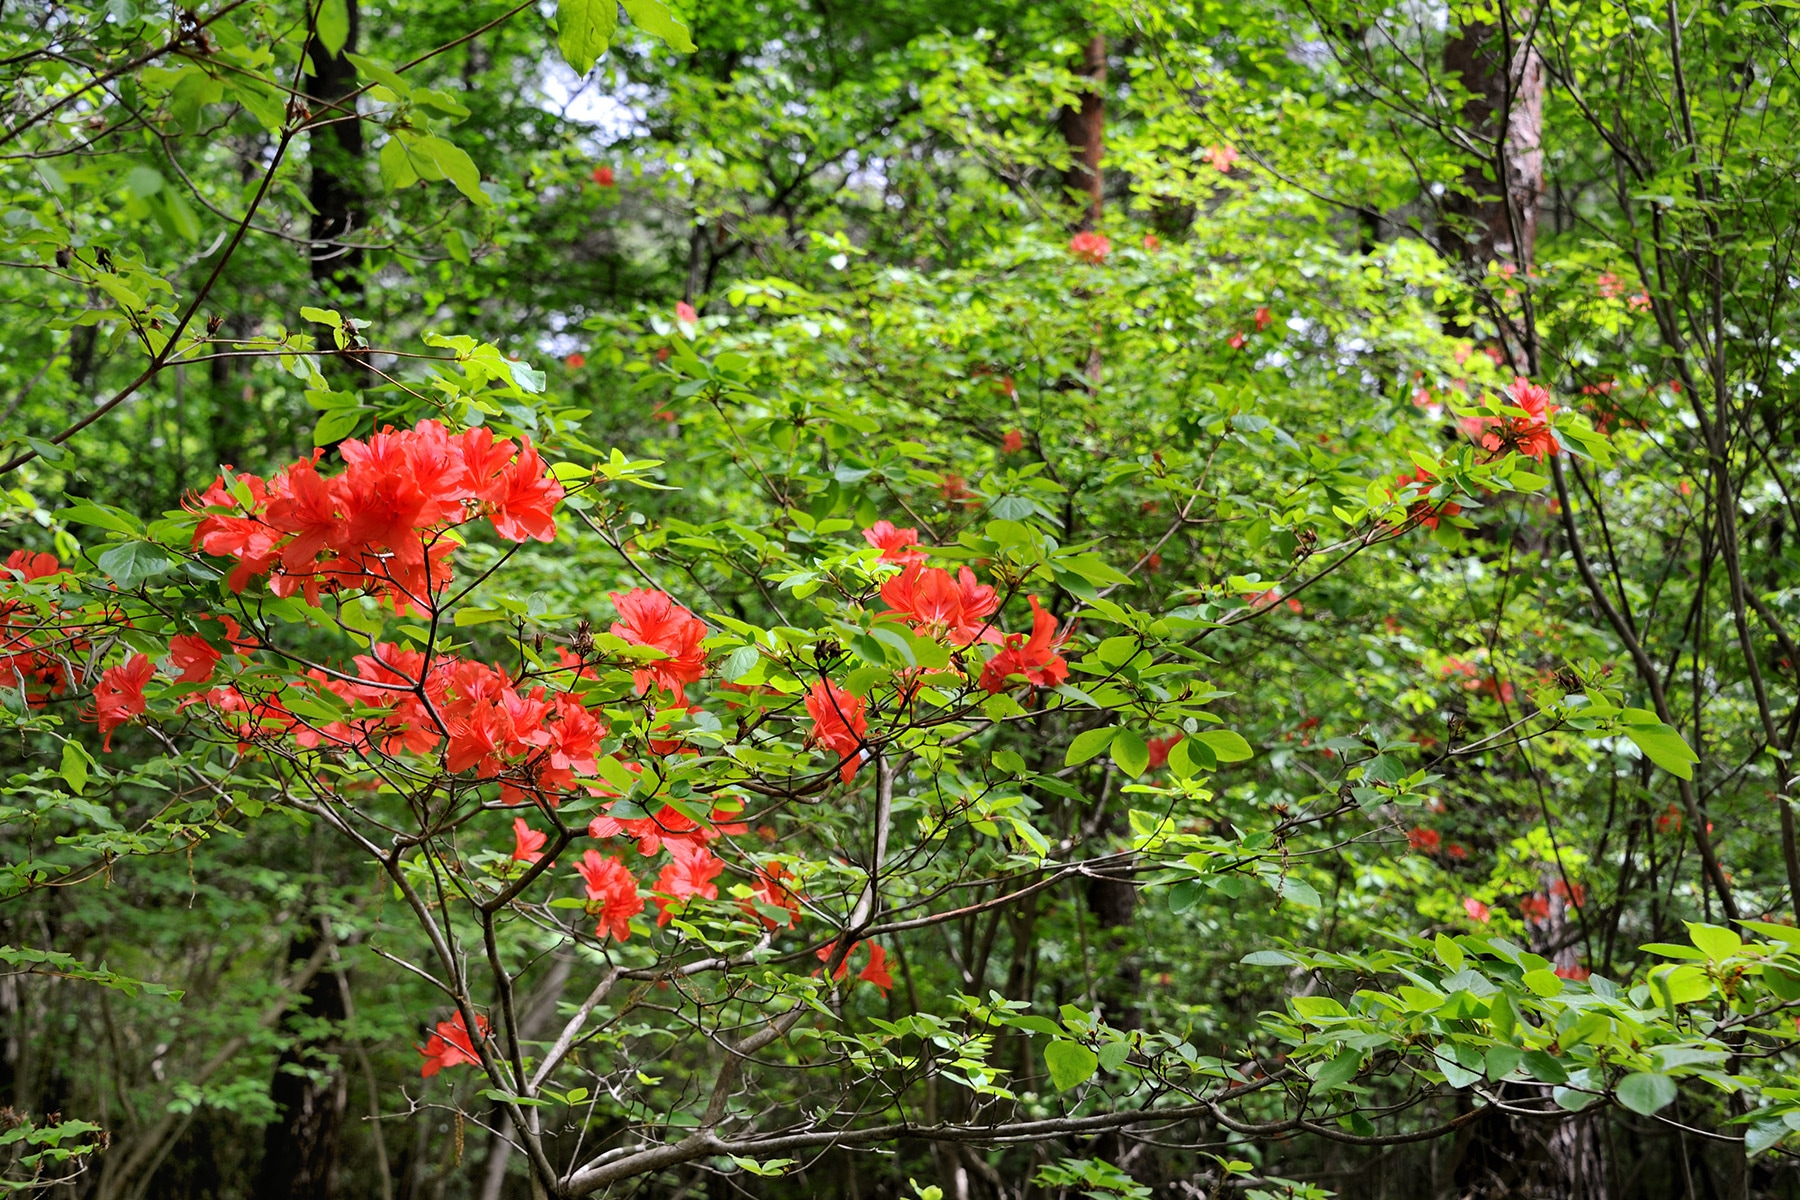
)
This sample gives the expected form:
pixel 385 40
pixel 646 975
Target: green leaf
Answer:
pixel 1087 745
pixel 740 663
pixel 1680 985
pixel 85 512
pixel 1664 747
pixel 655 17
pixel 1543 982
pixel 584 29
pixel 334 425
pixel 131 563
pixel 1226 745
pixel 1715 941
pixel 1545 1068
pixel 1644 1093
pixel 333 25
pixel 1130 753
pixel 453 164
pixel 1267 958
pixel 1070 1063
pixel 75 763
pixel 1336 1072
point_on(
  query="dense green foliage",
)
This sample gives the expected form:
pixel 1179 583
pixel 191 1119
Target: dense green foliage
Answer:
pixel 1368 774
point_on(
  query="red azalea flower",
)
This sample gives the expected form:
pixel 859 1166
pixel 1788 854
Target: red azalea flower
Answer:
pixel 1090 246
pixel 1263 318
pixel 527 842
pixel 838 724
pixel 1425 840
pixel 611 886
pixel 1152 243
pixel 1221 157
pixel 1574 974
pixel 1033 657
pixel 1535 909
pixel 877 972
pixel 120 695
pixel 1159 749
pixel 896 545
pixel 684 312
pixel 823 954
pixel 1236 340
pixel 1012 442
pixel 771 892
pixel 603 175
pixel 193 657
pixel 450 1046
pixel 1530 434
pixel 690 873
pixel 654 619
pixel 1476 909
pixel 28 565
pixel 937 605
pixel 575 361
pixel 954 489
pixel 1427 513
pixel 1574 893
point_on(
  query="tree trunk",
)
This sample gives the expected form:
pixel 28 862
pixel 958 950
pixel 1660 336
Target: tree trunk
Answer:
pixel 1505 117
pixel 300 1149
pixel 1084 129
pixel 335 155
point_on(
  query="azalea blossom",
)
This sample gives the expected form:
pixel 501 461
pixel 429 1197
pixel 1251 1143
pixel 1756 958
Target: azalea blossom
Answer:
pixel 192 657
pixel 1476 909
pixel 612 892
pixel 1221 157
pixel 691 871
pixel 528 843
pixel 877 972
pixel 575 361
pixel 654 619
pixel 120 695
pixel 896 545
pixel 1159 748
pixel 1090 247
pixel 937 605
pixel 771 892
pixel 603 175
pixel 1424 840
pixel 1530 434
pixel 1423 510
pixel 838 724
pixel 684 312
pixel 450 1046
pixel 1263 318
pixel 1034 657
pixel 1012 442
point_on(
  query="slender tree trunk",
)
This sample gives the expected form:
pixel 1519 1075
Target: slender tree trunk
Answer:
pixel 1084 129
pixel 335 155
pixel 1505 116
pixel 300 1148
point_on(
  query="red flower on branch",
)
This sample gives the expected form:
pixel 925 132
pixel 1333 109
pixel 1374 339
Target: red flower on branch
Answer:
pixel 938 605
pixel 120 695
pixel 1427 513
pixel 1012 442
pixel 1530 434
pixel 527 842
pixel 1424 840
pixel 896 545
pixel 690 873
pixel 612 894
pixel 877 972
pixel 450 1046
pixel 838 724
pixel 1035 657
pixel 772 892
pixel 603 175
pixel 1476 909
pixel 193 657
pixel 1090 247
pixel 654 619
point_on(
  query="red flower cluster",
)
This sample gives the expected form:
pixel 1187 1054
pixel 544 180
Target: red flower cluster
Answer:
pixel 772 892
pixel 527 842
pixel 450 1046
pixel 1530 434
pixel 876 972
pixel 838 724
pixel 379 525
pixel 939 606
pixel 1089 246
pixel 691 871
pixel 120 695
pixel 26 661
pixel 1426 841
pixel 1034 657
pixel 654 619
pixel 1159 748
pixel 1424 511
pixel 612 894
pixel 1012 441
pixel 896 545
